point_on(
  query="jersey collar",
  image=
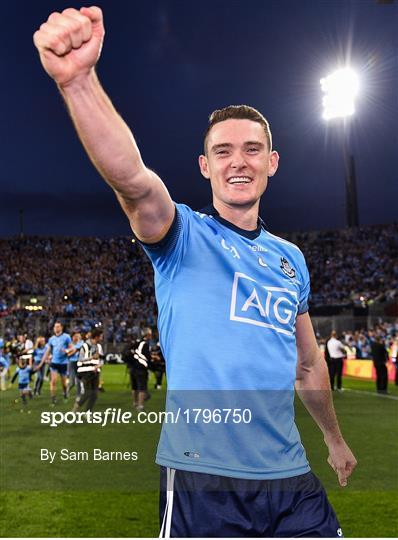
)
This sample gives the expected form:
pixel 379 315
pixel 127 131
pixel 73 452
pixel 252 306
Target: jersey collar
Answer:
pixel 251 235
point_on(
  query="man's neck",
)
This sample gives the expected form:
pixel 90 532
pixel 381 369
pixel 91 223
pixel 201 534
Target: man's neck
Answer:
pixel 244 217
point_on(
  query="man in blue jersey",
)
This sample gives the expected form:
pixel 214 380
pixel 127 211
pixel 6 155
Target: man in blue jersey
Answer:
pixel 58 347
pixel 233 315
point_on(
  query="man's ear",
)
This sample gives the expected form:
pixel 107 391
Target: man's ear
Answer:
pixel 204 166
pixel 273 163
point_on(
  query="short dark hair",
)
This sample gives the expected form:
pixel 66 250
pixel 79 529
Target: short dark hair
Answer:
pixel 96 332
pixel 238 112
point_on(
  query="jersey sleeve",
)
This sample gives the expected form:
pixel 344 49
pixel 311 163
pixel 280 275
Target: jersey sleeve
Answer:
pixel 304 290
pixel 168 254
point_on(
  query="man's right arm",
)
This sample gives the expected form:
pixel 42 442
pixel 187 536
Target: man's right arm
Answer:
pixel 69 44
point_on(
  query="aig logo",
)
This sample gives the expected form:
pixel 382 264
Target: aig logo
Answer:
pixel 270 307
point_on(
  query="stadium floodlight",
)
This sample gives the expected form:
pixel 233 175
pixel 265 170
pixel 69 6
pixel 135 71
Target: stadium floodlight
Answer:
pixel 341 89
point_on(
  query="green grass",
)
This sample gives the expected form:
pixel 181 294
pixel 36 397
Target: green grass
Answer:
pixel 121 499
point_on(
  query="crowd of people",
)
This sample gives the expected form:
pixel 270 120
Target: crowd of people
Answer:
pixel 351 266
pixel 34 359
pixel 378 343
pixel 85 279
pixel 361 340
pixel 93 280
pixel 75 361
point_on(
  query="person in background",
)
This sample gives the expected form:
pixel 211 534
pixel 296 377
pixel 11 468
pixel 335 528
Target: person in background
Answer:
pixel 88 370
pixel 24 373
pixel 24 344
pixel 380 359
pixel 58 346
pixel 158 365
pixel 337 354
pixel 138 359
pixel 4 366
pixel 73 356
pixel 394 357
pixel 38 352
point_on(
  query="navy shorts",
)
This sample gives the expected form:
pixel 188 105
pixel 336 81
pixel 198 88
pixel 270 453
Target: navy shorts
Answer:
pixel 23 386
pixel 204 505
pixel 62 369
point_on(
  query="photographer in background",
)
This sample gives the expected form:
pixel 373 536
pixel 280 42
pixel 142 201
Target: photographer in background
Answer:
pixel 158 365
pixel 380 359
pixel 88 370
pixel 138 358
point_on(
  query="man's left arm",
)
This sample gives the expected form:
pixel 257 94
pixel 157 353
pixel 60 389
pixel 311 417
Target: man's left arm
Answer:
pixel 313 388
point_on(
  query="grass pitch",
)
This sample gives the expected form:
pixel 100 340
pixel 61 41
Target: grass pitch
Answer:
pixel 39 499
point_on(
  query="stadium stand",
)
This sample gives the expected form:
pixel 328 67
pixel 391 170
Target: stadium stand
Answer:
pixel 87 279
pixel 358 265
pixel 90 280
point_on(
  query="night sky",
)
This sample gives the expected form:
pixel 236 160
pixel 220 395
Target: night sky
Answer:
pixel 166 66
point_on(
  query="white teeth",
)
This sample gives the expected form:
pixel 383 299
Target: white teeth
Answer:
pixel 239 180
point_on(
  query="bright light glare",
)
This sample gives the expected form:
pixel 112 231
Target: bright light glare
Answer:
pixel 341 89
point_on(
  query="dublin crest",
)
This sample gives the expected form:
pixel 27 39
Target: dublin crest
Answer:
pixel 287 269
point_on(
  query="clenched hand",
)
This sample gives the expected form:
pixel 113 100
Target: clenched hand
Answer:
pixel 70 43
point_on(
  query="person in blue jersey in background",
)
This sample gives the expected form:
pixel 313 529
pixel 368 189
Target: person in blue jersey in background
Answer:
pixel 233 315
pixel 73 356
pixel 38 352
pixel 58 347
pixel 4 366
pixel 24 374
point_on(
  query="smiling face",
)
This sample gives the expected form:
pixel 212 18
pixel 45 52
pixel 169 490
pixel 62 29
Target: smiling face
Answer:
pixel 238 163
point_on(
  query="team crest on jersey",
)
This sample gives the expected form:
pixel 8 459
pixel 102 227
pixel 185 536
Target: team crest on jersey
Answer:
pixel 287 269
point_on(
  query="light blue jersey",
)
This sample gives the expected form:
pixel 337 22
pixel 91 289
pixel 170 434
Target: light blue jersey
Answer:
pixel 4 361
pixel 38 354
pixel 75 357
pixel 58 345
pixel 228 301
pixel 23 374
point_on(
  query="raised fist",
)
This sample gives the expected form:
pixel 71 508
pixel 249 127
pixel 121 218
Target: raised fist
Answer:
pixel 69 43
